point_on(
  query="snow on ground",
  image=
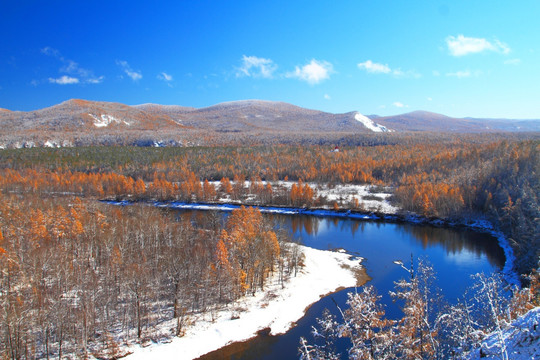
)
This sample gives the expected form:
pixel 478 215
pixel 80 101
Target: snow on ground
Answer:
pixel 522 340
pixel 370 124
pixel 275 308
pixel 105 120
pixel 368 198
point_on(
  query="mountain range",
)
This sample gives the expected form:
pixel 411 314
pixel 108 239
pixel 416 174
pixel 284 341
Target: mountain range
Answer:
pixel 81 122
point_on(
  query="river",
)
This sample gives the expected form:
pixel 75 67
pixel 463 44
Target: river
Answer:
pixel 455 253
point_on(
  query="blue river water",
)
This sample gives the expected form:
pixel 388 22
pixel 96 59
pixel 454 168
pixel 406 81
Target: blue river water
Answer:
pixel 455 253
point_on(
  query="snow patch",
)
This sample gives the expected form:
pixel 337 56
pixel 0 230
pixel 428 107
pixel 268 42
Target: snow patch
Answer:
pixel 105 120
pixel 370 124
pixel 276 308
pixel 49 144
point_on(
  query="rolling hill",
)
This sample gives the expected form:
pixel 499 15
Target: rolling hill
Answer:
pixel 81 122
pixel 433 122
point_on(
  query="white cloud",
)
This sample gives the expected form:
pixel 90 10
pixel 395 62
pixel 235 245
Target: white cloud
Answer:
pixel 408 74
pixel 64 80
pixel 165 77
pixel 460 74
pixel 436 73
pixel 429 99
pixel 97 80
pixel 372 67
pixel 513 62
pixel 327 97
pixel 72 68
pixel 464 74
pixel 378 68
pixel 313 73
pixel 462 45
pixel 134 75
pixel 256 67
pixel 398 104
pixel 50 51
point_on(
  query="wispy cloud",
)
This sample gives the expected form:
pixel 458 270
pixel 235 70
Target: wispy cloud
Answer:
pixel 95 80
pixel 327 97
pixel 378 68
pixel 254 66
pixel 399 104
pixel 513 62
pixel 49 51
pixel 134 75
pixel 64 80
pixel 375 68
pixel 72 68
pixel 312 73
pixel 464 74
pixel 462 45
pixel 165 77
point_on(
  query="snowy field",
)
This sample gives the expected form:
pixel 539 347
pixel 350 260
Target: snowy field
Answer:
pixel 276 308
pixel 369 197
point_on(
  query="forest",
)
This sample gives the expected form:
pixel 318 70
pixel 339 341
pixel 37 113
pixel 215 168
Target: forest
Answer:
pixel 454 177
pixel 76 271
pixel 80 277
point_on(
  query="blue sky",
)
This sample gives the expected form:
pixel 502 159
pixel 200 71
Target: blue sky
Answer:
pixel 459 58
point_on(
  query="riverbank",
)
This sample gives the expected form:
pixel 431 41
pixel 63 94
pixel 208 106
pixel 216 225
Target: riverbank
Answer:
pixel 391 214
pixel 276 309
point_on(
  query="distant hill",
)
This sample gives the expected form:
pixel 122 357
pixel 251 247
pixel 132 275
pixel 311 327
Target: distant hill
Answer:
pixel 85 116
pixel 428 121
pixel 266 116
pixel 81 122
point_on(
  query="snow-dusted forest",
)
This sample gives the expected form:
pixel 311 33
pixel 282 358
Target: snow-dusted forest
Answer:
pixel 82 278
pixel 431 328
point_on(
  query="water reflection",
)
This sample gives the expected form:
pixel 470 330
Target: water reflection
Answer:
pixel 458 241
pixel 454 253
pixel 453 240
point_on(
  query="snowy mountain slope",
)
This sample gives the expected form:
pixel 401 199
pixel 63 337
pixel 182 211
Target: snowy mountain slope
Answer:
pixel 370 124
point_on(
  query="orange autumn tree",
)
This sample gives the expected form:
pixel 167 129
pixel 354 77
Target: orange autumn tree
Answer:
pixel 252 248
pixel 302 194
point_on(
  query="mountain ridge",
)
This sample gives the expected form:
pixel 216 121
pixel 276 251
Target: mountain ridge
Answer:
pixel 114 122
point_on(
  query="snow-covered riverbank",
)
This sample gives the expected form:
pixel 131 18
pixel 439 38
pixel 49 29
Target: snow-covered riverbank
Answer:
pixel 384 211
pixel 276 308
